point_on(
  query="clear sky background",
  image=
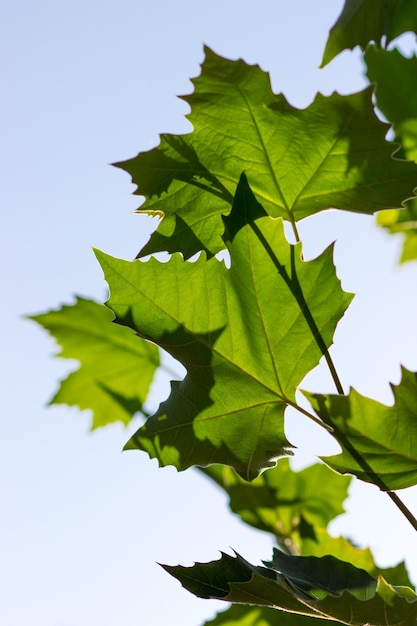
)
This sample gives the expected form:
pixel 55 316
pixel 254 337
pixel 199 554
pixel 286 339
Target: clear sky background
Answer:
pixel 86 83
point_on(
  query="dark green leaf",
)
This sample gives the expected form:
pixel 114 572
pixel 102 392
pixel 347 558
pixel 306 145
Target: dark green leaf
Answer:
pixel 116 369
pixel 362 21
pixel 312 587
pixel 341 548
pixel 245 335
pixel 331 154
pixel 397 99
pixel 379 442
pixel 313 574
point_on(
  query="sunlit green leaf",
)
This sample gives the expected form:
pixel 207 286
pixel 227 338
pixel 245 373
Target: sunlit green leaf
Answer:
pixel 116 367
pixel 245 335
pixel 333 154
pixel 362 21
pixel 379 442
pixel 313 587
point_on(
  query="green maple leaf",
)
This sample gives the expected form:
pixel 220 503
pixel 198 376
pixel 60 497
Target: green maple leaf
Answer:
pixel 291 505
pixel 379 442
pixel 362 21
pixel 245 335
pixel 398 102
pixel 117 367
pixel 333 154
pixel 323 588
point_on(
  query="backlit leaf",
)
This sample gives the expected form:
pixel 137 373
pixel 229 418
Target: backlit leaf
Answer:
pixel 398 102
pixel 379 442
pixel 245 335
pixel 362 21
pixel 333 154
pixel 116 367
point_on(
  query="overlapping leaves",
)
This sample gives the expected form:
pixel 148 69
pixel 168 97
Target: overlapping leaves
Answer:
pixel 398 102
pixel 116 367
pixel 296 507
pixel 331 154
pixel 246 336
pixel 244 615
pixel 291 505
pixel 304 586
pixel 362 21
pixel 379 442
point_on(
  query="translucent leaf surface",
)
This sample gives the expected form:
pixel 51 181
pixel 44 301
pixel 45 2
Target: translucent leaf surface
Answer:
pixel 333 154
pixel 362 21
pixel 313 587
pixel 245 335
pixel 397 99
pixel 116 367
pixel 384 437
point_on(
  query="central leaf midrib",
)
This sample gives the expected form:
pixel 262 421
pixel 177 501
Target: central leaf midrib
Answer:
pixel 265 151
pixel 197 337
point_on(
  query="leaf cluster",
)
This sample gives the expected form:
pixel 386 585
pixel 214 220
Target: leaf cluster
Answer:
pixel 249 325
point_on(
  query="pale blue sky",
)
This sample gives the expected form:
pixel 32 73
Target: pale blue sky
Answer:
pixel 86 84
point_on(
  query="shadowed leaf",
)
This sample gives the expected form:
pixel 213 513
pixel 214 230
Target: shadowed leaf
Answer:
pixel 362 21
pixel 385 437
pixel 333 154
pixel 397 99
pixel 284 502
pixel 245 335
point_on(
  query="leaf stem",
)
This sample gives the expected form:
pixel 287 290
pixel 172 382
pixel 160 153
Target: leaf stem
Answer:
pixel 294 286
pixel 373 478
pixel 295 229
pixel 311 416
pixel 403 508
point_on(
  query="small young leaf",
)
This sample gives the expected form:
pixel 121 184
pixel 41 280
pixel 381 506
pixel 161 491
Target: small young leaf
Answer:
pixel 312 574
pixel 362 21
pixel 333 154
pixel 116 369
pixel 379 442
pixel 245 335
